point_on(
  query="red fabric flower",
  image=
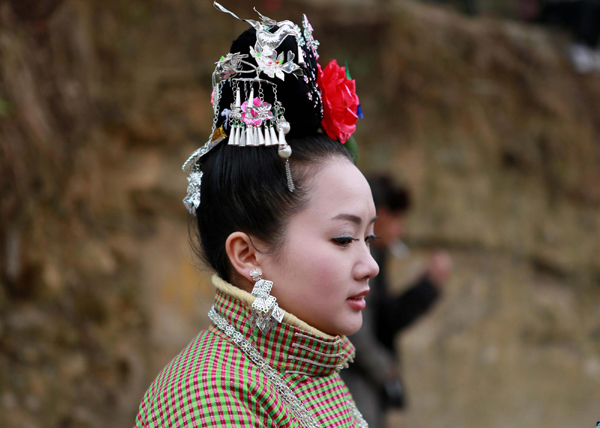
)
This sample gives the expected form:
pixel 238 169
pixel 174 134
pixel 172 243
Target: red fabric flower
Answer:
pixel 339 101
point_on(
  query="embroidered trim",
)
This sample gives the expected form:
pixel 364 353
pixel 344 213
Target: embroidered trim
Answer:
pixel 329 366
pixel 337 340
pixel 323 354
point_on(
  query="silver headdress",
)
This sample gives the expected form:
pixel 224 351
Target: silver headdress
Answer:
pixel 250 120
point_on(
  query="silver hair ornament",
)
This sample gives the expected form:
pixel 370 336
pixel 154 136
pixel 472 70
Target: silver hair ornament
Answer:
pixel 260 123
pixel 192 200
pixel 308 37
pixel 264 50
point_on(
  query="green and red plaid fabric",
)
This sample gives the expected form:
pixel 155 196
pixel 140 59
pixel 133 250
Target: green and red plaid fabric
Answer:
pixel 213 383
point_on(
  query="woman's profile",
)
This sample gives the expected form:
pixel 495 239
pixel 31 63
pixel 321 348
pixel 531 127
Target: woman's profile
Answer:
pixel 285 219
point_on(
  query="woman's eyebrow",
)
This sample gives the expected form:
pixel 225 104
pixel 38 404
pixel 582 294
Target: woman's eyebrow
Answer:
pixel 353 218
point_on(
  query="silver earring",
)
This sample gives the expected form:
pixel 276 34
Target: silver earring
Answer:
pixel 266 313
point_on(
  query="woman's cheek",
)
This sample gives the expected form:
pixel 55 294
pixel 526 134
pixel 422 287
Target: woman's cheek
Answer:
pixel 333 270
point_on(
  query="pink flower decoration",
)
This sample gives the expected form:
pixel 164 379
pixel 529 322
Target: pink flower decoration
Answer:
pixel 251 121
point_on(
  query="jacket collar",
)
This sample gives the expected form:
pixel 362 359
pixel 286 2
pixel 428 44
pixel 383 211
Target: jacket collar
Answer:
pixel 292 347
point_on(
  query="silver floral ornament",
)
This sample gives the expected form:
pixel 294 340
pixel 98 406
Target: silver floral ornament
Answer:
pixel 192 200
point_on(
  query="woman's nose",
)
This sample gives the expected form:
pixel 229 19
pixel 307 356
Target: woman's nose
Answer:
pixel 367 267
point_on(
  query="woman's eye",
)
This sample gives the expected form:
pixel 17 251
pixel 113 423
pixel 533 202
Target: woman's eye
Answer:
pixel 371 238
pixel 344 241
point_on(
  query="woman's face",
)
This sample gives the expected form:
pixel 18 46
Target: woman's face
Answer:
pixel 322 272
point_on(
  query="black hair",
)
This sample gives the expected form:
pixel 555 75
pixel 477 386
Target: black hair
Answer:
pixel 245 189
pixel 388 194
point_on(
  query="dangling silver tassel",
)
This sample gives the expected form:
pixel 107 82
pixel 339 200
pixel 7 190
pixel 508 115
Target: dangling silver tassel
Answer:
pixel 250 101
pixel 238 131
pixel 192 200
pixel 232 136
pixel 274 139
pixel 261 137
pixel 242 137
pixel 257 136
pixel 250 136
pixel 254 136
pixel 238 137
pixel 238 99
pixel 234 123
pixel 267 136
pixel 288 174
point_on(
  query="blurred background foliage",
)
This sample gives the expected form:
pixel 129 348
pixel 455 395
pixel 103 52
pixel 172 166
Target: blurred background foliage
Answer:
pixel 101 101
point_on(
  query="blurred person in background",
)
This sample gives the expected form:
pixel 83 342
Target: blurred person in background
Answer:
pixel 580 17
pixel 584 24
pixel 374 379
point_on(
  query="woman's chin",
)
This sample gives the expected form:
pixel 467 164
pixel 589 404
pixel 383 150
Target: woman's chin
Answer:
pixel 354 327
pixel 348 327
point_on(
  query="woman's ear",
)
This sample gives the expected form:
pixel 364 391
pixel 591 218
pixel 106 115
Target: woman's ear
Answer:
pixel 242 255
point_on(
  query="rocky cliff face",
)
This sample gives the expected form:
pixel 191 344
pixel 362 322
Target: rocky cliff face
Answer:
pixel 100 101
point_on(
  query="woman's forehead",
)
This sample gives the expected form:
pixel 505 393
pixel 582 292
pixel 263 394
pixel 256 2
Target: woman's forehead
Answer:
pixel 341 188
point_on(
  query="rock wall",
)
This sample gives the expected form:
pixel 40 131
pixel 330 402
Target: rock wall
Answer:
pixel 100 101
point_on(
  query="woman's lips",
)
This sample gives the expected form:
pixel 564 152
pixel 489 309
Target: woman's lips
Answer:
pixel 357 302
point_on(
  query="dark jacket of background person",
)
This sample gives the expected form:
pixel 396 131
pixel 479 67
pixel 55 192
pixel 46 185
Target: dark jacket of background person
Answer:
pixel 373 378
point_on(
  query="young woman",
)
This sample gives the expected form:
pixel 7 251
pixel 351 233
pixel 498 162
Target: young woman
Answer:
pixel 288 237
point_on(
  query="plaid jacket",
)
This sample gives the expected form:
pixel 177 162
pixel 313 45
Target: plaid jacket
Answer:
pixel 213 383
